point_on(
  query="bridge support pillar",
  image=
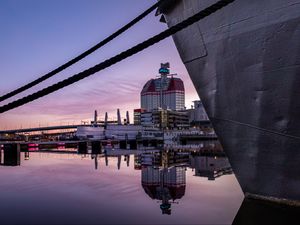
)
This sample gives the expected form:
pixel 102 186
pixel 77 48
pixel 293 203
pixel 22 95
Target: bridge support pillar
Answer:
pixel 96 147
pixel 11 154
pixel 82 147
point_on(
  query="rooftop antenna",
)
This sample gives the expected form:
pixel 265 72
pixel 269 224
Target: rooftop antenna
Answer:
pixel 164 71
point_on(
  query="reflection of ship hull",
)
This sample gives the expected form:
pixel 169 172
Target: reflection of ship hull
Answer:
pixel 259 212
pixel 244 61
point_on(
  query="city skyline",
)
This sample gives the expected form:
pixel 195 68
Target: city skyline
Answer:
pixel 39 36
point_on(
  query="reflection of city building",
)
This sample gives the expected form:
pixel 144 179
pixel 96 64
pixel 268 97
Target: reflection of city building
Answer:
pixel 137 162
pixel 165 158
pixel 164 176
pixel 107 156
pixel 151 159
pixel 163 92
pixel 211 167
pixel 26 155
pixel 165 184
pixel 207 161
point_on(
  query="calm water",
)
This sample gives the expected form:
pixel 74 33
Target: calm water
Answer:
pixel 119 188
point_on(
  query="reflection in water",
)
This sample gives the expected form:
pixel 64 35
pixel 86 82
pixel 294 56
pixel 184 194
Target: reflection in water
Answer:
pixel 163 172
pixel 26 155
pixel 164 177
pixel 211 167
pixel 254 211
pixel 165 184
pixel 95 157
pixel 127 159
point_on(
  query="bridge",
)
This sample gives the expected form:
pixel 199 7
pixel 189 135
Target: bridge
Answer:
pixel 25 130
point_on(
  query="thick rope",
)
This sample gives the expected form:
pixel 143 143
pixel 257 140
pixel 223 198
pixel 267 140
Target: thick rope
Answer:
pixel 107 63
pixel 82 55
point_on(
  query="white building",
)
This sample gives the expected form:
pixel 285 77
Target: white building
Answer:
pixel 122 132
pixel 89 132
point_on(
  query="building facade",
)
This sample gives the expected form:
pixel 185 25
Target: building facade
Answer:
pixel 165 118
pixel 164 92
pixel 197 113
pixel 137 116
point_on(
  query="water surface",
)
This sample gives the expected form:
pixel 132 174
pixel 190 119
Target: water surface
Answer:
pixel 131 188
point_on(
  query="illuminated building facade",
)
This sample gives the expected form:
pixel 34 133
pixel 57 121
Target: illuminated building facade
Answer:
pixel 165 118
pixel 165 92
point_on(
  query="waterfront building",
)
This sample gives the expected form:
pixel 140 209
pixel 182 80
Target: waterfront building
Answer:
pixel 166 91
pixel 90 132
pixel 198 117
pixel 165 118
pixel 137 116
pixel 197 113
pixel 147 119
pixel 122 132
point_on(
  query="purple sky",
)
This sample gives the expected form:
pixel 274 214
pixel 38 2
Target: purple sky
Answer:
pixel 37 36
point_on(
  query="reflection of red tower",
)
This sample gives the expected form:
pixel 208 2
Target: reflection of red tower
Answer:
pixel 137 162
pixel 164 184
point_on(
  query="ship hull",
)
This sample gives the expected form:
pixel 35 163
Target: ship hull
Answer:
pixel 244 62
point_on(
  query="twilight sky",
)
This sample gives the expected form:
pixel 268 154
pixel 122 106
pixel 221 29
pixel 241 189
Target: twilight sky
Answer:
pixel 37 36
